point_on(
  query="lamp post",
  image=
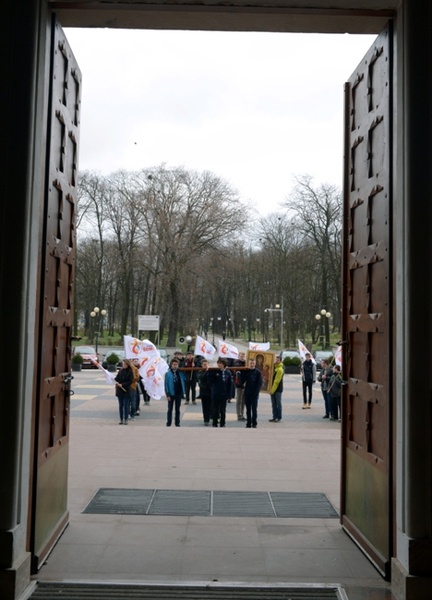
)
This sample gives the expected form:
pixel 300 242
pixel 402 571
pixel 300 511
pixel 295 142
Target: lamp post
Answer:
pixel 219 325
pixel 320 317
pixel 96 314
pixel 212 328
pixel 258 326
pixel 278 308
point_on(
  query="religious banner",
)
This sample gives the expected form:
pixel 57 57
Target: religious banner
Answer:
pixel 265 363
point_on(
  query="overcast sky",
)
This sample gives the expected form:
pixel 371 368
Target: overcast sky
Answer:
pixel 253 108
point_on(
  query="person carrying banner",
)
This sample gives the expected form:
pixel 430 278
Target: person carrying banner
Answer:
pixel 123 382
pixel 174 391
pixel 205 391
pixel 190 377
pixel 276 390
pixel 221 385
pixel 252 380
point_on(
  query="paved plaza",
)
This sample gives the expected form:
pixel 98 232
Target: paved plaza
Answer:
pixel 299 454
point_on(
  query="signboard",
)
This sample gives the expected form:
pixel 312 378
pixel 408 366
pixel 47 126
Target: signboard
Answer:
pixel 148 322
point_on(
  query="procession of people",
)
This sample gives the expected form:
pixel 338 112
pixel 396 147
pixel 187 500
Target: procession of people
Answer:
pixel 237 376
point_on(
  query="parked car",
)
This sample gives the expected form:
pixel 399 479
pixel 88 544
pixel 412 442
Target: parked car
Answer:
pixel 89 355
pixel 319 355
pixel 163 353
pixel 120 354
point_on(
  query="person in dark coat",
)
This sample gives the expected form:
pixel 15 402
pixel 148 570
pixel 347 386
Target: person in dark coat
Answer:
pixel 221 387
pixel 239 385
pixel 205 391
pixel 324 378
pixel 334 391
pixel 252 379
pixel 123 381
pixel 308 372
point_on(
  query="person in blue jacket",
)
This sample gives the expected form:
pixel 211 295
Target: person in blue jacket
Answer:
pixel 174 391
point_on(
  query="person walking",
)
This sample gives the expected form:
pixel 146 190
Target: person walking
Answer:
pixel 252 379
pixel 123 381
pixel 221 390
pixel 276 390
pixel 308 372
pixel 324 378
pixel 174 391
pixel 239 387
pixel 205 391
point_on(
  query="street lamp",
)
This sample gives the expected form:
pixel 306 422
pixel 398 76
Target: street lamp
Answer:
pixel 320 317
pixel 258 326
pixel 278 308
pixel 188 342
pixel 96 314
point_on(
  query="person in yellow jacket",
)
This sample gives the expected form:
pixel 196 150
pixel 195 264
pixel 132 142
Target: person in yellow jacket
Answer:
pixel 276 390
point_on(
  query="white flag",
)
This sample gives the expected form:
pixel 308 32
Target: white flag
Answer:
pixel 109 377
pixel 227 350
pixel 263 347
pixel 158 363
pixel 154 386
pixel 204 348
pixel 338 356
pixel 152 370
pixel 135 348
pixel 302 351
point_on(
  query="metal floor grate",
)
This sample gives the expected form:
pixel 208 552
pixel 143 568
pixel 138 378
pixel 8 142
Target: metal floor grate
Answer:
pixel 81 591
pixel 210 503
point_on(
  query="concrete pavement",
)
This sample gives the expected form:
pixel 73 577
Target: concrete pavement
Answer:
pixel 299 454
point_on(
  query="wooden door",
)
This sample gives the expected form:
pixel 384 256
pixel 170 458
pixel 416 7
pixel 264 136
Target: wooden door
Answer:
pixel 366 502
pixel 49 513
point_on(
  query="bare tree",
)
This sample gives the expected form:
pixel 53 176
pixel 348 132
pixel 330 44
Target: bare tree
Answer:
pixel 185 214
pixel 317 214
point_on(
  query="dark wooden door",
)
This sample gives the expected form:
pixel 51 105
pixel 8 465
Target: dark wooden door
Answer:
pixel 49 513
pixel 366 503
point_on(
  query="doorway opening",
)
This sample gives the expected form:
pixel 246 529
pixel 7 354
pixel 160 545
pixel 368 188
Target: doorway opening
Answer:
pixel 195 438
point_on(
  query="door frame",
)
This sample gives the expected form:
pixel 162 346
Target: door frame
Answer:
pixel 240 19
